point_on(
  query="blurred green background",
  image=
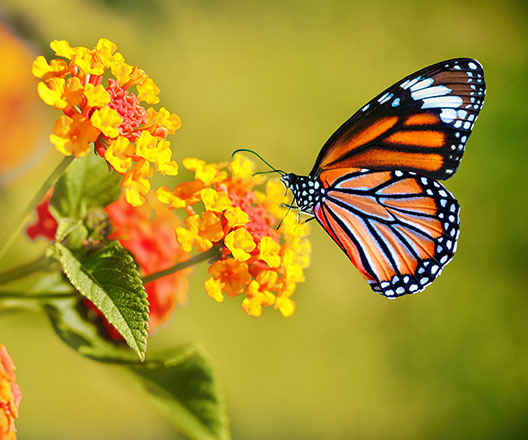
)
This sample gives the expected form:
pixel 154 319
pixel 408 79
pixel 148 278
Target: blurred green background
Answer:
pixel 280 77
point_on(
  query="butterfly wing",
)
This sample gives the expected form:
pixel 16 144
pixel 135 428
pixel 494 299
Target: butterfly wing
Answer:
pixel 398 228
pixel 420 124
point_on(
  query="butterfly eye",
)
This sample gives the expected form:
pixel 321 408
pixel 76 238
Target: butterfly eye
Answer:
pixel 288 179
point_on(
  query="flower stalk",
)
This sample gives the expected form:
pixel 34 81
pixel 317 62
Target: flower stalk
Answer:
pixel 40 296
pixel 24 270
pixel 17 226
pixel 210 254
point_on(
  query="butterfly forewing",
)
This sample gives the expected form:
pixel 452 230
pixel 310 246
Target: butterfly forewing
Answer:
pixel 420 124
pixel 398 228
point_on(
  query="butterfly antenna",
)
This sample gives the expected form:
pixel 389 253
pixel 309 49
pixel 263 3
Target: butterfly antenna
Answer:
pixel 275 170
pixel 266 172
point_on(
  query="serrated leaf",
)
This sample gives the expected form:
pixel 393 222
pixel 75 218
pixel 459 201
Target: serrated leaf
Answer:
pixel 87 184
pixel 183 384
pixel 109 279
pixel 83 335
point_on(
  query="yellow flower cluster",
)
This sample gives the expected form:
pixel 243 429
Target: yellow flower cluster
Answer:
pixel 257 260
pixel 93 89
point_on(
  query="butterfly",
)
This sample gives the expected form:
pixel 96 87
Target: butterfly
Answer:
pixel 374 186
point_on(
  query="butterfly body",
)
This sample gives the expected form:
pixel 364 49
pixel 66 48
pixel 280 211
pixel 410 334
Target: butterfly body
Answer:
pixel 374 185
pixel 307 191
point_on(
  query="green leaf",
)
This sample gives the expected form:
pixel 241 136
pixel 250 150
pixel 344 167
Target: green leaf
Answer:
pixel 109 279
pixel 183 384
pixel 87 184
pixel 66 226
pixel 70 322
pixel 73 230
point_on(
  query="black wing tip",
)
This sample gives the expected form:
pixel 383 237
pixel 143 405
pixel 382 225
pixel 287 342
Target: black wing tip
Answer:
pixel 401 285
pixel 458 60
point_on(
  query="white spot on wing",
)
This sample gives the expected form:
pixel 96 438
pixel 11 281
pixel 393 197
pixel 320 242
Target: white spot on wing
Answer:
pixel 385 98
pixel 451 101
pixel 429 92
pixel 448 115
pixel 422 84
pixel 409 83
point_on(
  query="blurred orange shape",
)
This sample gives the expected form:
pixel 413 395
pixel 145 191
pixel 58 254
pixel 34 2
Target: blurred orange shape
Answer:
pixel 10 396
pixel 20 120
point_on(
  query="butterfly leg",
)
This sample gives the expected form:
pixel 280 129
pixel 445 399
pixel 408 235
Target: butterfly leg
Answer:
pixel 290 206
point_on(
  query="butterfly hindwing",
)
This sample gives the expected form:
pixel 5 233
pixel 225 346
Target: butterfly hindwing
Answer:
pixel 419 124
pixel 398 228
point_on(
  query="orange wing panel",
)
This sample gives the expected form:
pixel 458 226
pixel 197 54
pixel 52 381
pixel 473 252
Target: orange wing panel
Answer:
pixel 419 205
pixel 426 138
pixel 422 119
pixel 367 180
pixel 405 262
pixel 423 246
pixel 373 253
pixel 361 203
pixel 395 160
pixel 329 177
pixel 431 225
pixel 406 186
pixel 344 146
pixel 342 239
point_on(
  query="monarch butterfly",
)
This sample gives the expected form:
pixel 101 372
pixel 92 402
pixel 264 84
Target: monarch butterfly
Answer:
pixel 374 186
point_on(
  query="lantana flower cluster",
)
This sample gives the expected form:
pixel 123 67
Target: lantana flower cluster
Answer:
pixel 94 89
pixel 10 396
pixel 224 208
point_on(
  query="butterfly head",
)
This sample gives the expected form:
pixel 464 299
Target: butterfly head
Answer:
pixel 288 180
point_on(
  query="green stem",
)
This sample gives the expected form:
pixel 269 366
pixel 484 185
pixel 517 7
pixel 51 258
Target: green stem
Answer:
pixel 207 255
pixel 41 296
pixel 24 270
pixel 12 232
